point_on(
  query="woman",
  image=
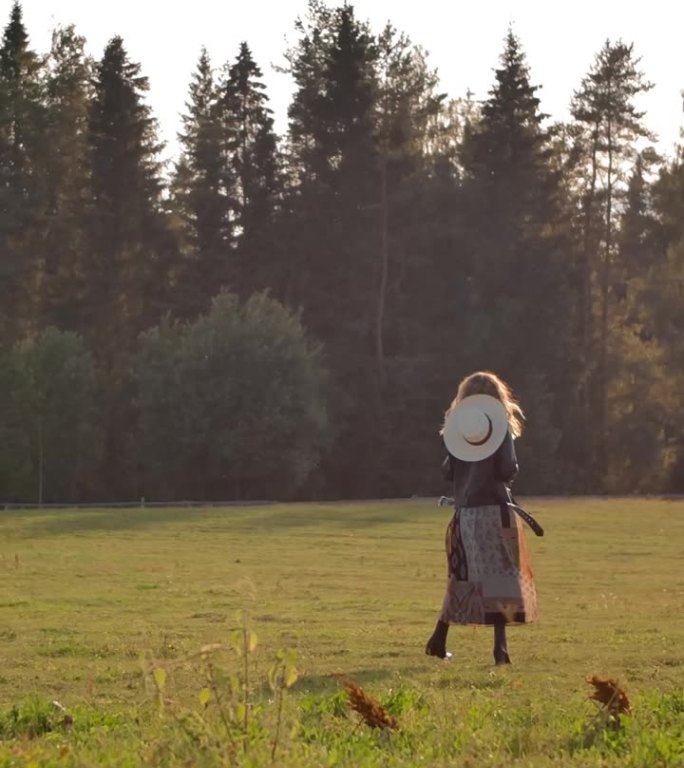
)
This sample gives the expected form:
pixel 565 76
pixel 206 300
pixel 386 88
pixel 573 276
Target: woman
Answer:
pixel 490 579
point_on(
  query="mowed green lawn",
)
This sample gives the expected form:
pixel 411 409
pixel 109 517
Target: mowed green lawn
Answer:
pixel 353 589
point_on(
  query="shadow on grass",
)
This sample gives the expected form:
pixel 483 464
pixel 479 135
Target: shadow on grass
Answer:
pixel 347 516
pixel 328 684
pixel 41 522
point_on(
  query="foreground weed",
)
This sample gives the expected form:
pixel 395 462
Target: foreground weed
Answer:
pixel 606 730
pixel 614 708
pixel 281 676
pixel 373 714
pixel 33 717
pixel 231 720
pixel 609 693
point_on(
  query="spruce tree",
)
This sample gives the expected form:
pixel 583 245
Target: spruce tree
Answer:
pixel 202 192
pixel 407 106
pixel 332 156
pixel 128 272
pixel 609 128
pixel 21 126
pixel 519 257
pixel 65 171
pixel 129 255
pixel 333 234
pixel 253 172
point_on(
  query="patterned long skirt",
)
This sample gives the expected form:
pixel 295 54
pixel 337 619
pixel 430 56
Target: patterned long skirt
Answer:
pixel 490 574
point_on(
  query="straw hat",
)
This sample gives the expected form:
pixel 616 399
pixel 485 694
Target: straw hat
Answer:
pixel 475 428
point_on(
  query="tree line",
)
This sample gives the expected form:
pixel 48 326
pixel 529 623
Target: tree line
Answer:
pixel 288 316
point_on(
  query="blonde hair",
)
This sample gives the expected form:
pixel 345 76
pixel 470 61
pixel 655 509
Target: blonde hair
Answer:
pixel 488 383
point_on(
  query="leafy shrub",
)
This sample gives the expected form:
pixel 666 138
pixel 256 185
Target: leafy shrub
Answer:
pixel 50 436
pixel 232 405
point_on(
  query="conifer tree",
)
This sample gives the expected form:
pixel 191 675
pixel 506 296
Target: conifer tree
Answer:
pixel 202 191
pixel 65 180
pixel 333 234
pixel 520 256
pixel 128 272
pixel 130 252
pixel 609 127
pixel 253 170
pixel 21 124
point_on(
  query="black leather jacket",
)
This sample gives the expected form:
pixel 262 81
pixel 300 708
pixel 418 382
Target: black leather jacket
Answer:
pixel 481 483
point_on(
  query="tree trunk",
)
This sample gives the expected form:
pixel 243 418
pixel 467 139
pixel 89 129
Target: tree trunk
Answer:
pixel 587 313
pixel 602 378
pixel 384 270
pixel 587 304
pixel 41 466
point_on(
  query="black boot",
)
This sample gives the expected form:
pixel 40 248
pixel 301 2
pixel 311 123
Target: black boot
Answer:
pixel 436 645
pixel 500 650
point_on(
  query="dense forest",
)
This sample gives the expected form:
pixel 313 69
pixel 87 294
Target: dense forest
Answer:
pixel 289 316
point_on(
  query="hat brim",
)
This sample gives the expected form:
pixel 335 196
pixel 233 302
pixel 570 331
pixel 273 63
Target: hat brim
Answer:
pixel 456 443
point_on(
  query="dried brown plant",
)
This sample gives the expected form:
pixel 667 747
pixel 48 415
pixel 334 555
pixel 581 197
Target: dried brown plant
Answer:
pixel 609 693
pixel 371 711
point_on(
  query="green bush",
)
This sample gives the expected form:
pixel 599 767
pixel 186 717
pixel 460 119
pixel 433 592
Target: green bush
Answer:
pixel 50 440
pixel 230 406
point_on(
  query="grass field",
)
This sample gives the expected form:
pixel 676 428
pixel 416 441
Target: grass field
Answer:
pixel 92 602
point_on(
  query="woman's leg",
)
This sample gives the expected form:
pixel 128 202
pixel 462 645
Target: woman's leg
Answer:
pixel 500 648
pixel 436 645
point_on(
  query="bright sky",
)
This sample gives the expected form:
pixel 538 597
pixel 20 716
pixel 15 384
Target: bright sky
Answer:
pixel 464 41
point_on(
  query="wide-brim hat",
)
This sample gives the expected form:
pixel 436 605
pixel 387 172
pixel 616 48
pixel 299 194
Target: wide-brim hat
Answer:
pixel 475 428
